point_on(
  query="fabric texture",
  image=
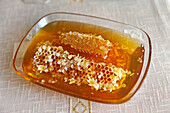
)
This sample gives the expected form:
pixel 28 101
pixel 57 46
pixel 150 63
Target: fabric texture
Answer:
pixel 20 96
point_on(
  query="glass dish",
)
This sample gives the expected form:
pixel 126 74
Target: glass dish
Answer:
pixel 134 32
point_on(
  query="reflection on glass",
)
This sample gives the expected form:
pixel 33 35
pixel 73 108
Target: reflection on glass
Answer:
pixel 71 1
pixel 35 1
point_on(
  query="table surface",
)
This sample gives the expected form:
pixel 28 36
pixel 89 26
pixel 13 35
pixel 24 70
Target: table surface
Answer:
pixel 20 96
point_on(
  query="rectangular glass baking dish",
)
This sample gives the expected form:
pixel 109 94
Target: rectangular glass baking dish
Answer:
pixel 134 32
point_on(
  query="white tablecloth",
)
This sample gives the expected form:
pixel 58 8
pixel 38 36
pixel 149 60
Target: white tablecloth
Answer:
pixel 20 96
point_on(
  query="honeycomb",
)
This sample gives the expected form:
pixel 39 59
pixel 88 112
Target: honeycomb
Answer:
pixel 76 69
pixel 86 42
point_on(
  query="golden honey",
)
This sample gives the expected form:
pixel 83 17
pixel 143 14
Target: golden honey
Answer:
pixel 83 58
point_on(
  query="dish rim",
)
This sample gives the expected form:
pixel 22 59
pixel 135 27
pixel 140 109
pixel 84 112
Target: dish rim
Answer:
pixel 124 99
